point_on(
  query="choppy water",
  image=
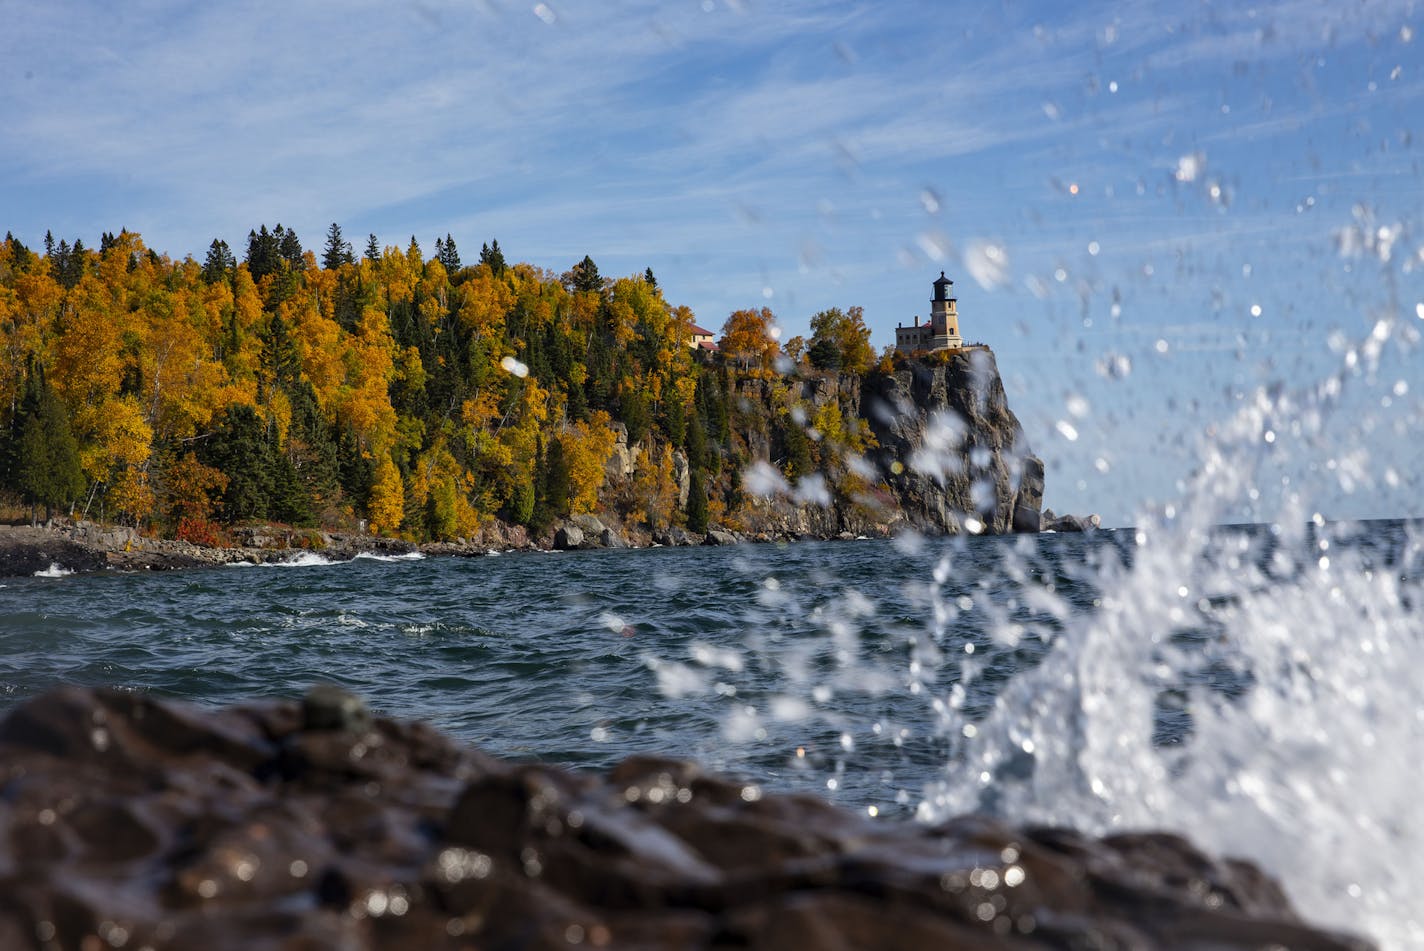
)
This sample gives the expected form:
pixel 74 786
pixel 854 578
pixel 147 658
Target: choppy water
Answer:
pixel 1253 687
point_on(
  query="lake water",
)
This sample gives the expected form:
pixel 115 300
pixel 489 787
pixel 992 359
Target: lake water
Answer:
pixel 1253 687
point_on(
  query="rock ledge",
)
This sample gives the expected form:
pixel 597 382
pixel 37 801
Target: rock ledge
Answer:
pixel 136 822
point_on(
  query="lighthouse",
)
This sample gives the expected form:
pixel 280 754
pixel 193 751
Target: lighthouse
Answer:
pixel 942 330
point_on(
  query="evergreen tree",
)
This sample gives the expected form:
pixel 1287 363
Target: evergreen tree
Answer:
pixel 373 249
pixel 584 276
pixel 649 279
pixel 493 257
pixel 798 449
pixel 290 250
pixel 75 263
pixel 46 463
pixel 281 362
pixel 337 251
pixel 49 243
pixel 446 254
pixel 263 254
pixel 696 443
pixel 697 502
pixel 556 491
pixel 355 468
pixel 240 449
pixel 219 263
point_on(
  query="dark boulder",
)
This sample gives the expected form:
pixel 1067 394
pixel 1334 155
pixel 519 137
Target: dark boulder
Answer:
pixel 127 821
pixel 568 537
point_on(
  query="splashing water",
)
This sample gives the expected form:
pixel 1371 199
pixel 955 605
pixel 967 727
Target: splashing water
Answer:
pixel 1305 762
pixel 1251 687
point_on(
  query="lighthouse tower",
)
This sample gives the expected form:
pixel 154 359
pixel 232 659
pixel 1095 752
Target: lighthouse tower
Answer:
pixel 944 317
pixel 940 332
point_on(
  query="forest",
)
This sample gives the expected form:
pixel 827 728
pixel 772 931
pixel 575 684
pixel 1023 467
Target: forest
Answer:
pixel 412 395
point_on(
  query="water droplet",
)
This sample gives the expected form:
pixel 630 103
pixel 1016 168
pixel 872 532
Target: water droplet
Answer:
pixel 935 246
pixel 1189 167
pixel 1255 310
pixel 511 365
pixel 543 12
pixel 931 200
pixel 988 263
pixel 1066 430
pixel 1094 248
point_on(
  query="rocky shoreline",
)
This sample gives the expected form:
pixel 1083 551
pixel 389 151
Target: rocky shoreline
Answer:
pixel 130 821
pixel 62 547
pixel 66 547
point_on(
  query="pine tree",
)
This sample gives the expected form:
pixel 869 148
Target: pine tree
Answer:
pixel 49 243
pixel 373 249
pixel 556 491
pixel 46 466
pixel 291 250
pixel 697 502
pixel 585 277
pixel 240 449
pixel 649 279
pixel 74 264
pixel 219 263
pixel 493 257
pixel 337 251
pixel 447 255
pixel 263 254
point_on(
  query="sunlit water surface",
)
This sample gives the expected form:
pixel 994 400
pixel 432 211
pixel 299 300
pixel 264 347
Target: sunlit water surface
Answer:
pixel 1253 687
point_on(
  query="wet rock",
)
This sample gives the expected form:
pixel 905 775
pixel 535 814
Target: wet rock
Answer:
pixel 1027 521
pixel 328 707
pixel 568 537
pixel 127 821
pixel 674 537
pixel 718 537
pixel 25 551
pixel 591 525
pixel 1069 523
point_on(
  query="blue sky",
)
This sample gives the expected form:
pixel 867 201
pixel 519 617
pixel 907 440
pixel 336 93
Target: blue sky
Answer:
pixel 1114 187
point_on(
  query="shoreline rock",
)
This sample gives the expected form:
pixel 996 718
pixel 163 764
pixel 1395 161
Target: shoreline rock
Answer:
pixel 139 822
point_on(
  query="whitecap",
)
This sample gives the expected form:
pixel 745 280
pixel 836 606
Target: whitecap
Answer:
pixel 307 559
pixel 372 556
pixel 55 570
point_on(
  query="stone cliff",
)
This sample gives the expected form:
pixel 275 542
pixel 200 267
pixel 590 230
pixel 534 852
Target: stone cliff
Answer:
pixel 946 454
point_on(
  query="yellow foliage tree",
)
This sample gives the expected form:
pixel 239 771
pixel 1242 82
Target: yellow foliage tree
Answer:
pixel 588 445
pixel 386 507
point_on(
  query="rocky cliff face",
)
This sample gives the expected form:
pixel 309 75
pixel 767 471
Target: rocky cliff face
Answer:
pixel 948 455
pixel 961 451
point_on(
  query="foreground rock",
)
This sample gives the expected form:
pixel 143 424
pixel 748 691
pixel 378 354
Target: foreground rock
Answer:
pixel 131 822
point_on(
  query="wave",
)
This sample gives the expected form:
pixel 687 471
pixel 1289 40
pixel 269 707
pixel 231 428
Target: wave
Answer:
pixel 307 559
pixel 372 556
pixel 55 570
